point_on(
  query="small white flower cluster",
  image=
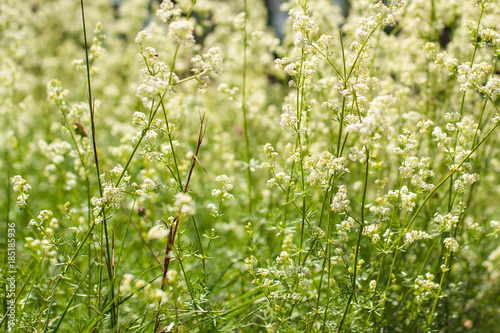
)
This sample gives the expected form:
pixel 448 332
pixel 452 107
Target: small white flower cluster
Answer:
pixel 384 12
pixel 56 151
pixel 424 288
pixel 469 75
pixel 495 225
pixel 239 21
pixel 280 178
pixel 158 79
pixel 96 52
pixel 249 263
pixel 408 167
pixel 289 119
pixel 344 229
pixel 294 152
pixel 371 127
pixel 96 49
pixel 184 204
pixel 140 118
pixel 406 197
pixel 270 152
pixel 416 235
pixel 231 92
pixel 409 141
pixel 112 196
pixel 206 64
pixel 465 182
pixel 148 186
pixel 40 247
pixel 44 216
pixel 150 133
pixel 440 59
pixel 483 5
pixel 366 26
pixel 158 231
pixel 213 208
pixel 492 88
pixel 223 192
pixel 445 223
pixel 372 231
pixel 20 185
pixel 286 269
pixel 168 11
pixel 306 69
pixel 340 202
pixel 420 180
pixel 167 149
pixel 325 44
pixel 323 166
pixel 181 31
pixel 444 141
pixel 304 27
pixel 451 244
pixel 57 95
pixel 489 36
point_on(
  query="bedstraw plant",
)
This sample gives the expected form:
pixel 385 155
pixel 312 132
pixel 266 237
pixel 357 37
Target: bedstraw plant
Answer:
pixel 174 166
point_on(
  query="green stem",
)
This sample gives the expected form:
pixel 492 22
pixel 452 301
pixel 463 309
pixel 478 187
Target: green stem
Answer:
pixel 244 108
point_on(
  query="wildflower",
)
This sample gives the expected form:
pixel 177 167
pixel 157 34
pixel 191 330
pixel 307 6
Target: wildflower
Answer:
pixel 223 192
pixel 181 31
pixel 20 185
pixel 289 118
pixel 167 11
pixel 140 119
pixel 407 199
pixel 213 208
pixel 141 35
pixel 340 203
pixel 424 288
pixel 184 204
pixel 415 235
pixel 249 263
pixel 451 244
pixel 465 182
pixel 445 223
pixel 57 94
pixel 202 66
pixel 159 231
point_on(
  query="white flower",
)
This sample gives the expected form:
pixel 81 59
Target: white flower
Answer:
pixel 340 203
pixel 159 231
pixel 451 244
pixel 181 31
pixel 407 199
pixel 184 204
pixel 213 208
pixel 20 185
pixel 167 11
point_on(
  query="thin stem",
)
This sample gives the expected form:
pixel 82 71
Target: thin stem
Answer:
pixel 244 108
pixel 114 315
pixel 358 245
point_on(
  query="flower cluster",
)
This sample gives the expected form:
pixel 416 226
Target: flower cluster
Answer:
pixel 324 166
pixel 184 204
pixel 340 203
pixel 424 288
pixel 20 185
pixel 206 64
pixel 222 193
